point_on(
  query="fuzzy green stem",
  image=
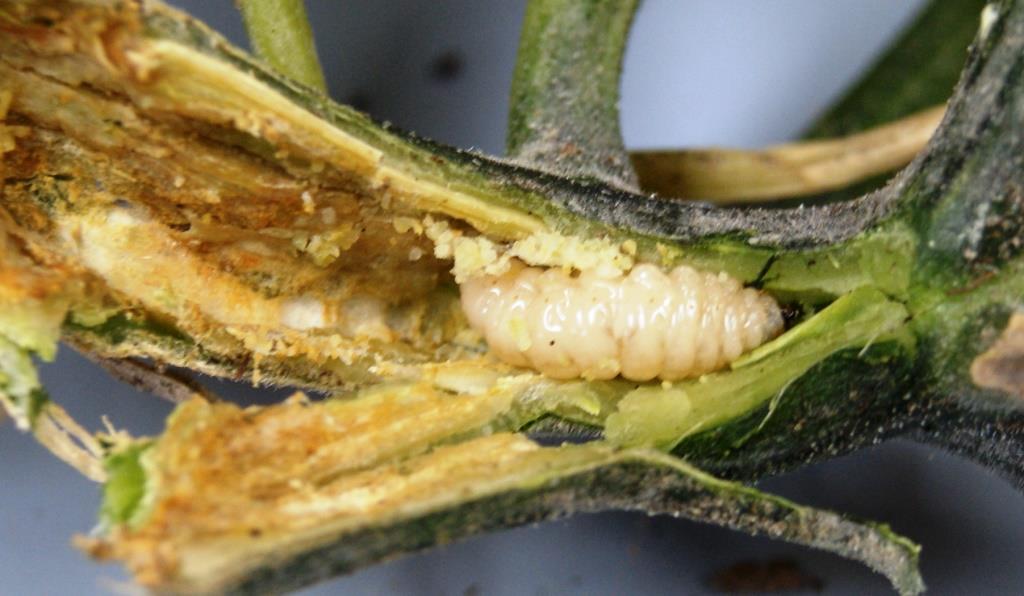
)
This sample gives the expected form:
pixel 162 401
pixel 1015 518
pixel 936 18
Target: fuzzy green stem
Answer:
pixel 564 113
pixel 280 34
pixel 917 71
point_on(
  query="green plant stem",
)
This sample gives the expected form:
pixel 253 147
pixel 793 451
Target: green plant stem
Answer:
pixel 280 34
pixel 564 113
pixel 917 71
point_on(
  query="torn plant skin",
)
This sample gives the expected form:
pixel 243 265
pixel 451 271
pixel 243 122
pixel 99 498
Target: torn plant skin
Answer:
pixel 286 517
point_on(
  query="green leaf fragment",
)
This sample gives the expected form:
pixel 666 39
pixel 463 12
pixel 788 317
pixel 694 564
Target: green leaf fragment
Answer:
pixel 125 489
pixel 20 392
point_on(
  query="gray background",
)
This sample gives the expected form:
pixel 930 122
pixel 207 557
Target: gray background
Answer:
pixel 700 72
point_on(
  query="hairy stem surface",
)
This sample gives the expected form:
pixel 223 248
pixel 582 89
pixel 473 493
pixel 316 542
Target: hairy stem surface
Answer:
pixel 280 33
pixel 564 113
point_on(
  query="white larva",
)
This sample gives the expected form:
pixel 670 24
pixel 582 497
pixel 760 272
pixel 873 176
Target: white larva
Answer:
pixel 643 325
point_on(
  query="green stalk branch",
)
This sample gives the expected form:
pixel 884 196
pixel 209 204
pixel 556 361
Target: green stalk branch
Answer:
pixel 564 113
pixel 918 71
pixel 280 34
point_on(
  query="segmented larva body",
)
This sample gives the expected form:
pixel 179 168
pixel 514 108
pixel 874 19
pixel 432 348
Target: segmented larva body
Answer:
pixel 643 325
